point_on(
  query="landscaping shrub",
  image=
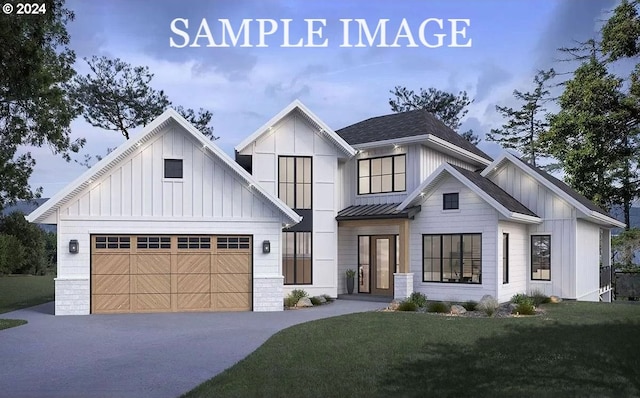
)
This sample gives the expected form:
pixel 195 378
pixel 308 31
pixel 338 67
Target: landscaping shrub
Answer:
pixel 292 299
pixel 328 298
pixel 419 299
pixel 525 307
pixel 407 305
pixel 488 305
pixel 539 298
pixel 519 298
pixel 438 307
pixel 290 302
pixel 470 305
pixel 315 301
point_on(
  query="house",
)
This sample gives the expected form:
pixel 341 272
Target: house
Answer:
pixel 169 222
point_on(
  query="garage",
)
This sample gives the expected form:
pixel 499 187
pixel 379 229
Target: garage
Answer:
pixel 170 273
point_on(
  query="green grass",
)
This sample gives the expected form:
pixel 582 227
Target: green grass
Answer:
pixel 11 323
pixel 18 292
pixel 575 350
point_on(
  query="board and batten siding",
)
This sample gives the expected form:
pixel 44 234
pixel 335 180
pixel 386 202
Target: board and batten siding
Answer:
pixel 587 261
pixel 518 254
pixel 293 135
pixel 430 160
pixel 137 187
pixel 559 221
pixel 474 216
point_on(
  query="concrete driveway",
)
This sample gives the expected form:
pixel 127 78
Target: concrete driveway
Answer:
pixel 141 355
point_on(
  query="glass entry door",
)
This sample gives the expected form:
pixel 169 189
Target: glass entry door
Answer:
pixel 382 264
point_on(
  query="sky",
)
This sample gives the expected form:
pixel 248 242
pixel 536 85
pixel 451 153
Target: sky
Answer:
pixel 507 41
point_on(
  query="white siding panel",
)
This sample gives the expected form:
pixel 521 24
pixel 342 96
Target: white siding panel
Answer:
pixel 587 260
pixel 475 216
pixel 518 255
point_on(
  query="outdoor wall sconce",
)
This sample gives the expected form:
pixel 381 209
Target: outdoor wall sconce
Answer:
pixel 266 246
pixel 73 246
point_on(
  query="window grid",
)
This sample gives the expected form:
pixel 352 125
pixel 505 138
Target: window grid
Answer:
pixel 153 242
pixel 541 257
pixel 452 258
pixel 194 242
pixel 296 259
pixel 233 242
pixel 113 242
pixel 450 201
pixel 382 175
pixel 294 182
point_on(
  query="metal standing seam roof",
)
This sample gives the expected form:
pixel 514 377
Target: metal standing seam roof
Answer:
pixel 372 212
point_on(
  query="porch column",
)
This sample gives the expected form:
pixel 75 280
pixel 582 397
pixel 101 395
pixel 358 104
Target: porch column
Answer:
pixel 403 279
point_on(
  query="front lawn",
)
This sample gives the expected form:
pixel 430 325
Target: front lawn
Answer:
pixel 23 291
pixel 575 350
pixel 10 323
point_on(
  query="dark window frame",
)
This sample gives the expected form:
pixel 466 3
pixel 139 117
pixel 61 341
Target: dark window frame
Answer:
pixel 461 259
pixel 532 262
pixel 505 258
pixel 295 181
pixel 393 174
pixel 170 172
pixel 295 258
pixel 451 201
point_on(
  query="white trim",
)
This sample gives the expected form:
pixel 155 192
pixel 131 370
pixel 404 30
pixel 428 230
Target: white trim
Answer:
pixel 426 139
pixel 431 182
pixel 109 161
pixel 596 216
pixel 296 104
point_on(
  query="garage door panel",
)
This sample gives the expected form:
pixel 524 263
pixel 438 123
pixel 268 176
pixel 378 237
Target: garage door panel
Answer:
pixel 212 273
pixel 110 264
pixel 232 301
pixel 194 263
pixel 152 264
pixel 236 263
pixel 145 302
pixel 194 301
pixel 230 283
pixel 111 303
pixel 110 284
pixel 151 284
pixel 194 283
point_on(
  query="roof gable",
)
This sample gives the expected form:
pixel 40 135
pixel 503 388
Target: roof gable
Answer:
pixel 500 200
pixel 413 123
pixel 325 130
pixel 557 186
pixel 123 151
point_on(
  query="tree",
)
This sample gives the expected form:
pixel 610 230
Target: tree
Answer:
pixel 525 125
pixel 588 135
pixel 625 245
pixel 31 238
pixel 35 109
pixel 117 96
pixel 447 107
pixel 621 32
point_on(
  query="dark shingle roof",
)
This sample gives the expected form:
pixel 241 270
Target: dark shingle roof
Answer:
pixel 497 193
pixel 369 212
pixel 405 124
pixel 566 189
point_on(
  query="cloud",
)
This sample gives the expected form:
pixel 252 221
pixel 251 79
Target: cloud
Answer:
pixel 491 76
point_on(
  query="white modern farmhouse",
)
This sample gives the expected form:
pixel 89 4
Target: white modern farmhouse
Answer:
pixel 169 222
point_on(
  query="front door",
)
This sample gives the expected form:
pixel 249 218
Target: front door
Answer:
pixel 382 264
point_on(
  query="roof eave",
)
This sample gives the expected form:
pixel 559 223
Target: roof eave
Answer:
pixel 524 218
pixel 456 150
pixel 602 219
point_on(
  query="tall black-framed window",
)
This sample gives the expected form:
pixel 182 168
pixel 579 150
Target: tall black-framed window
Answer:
pixel 452 258
pixel 505 258
pixel 450 201
pixel 382 175
pixel 294 181
pixel 296 258
pixel 541 257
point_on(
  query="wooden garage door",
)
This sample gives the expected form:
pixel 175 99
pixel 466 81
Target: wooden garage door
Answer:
pixel 154 273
